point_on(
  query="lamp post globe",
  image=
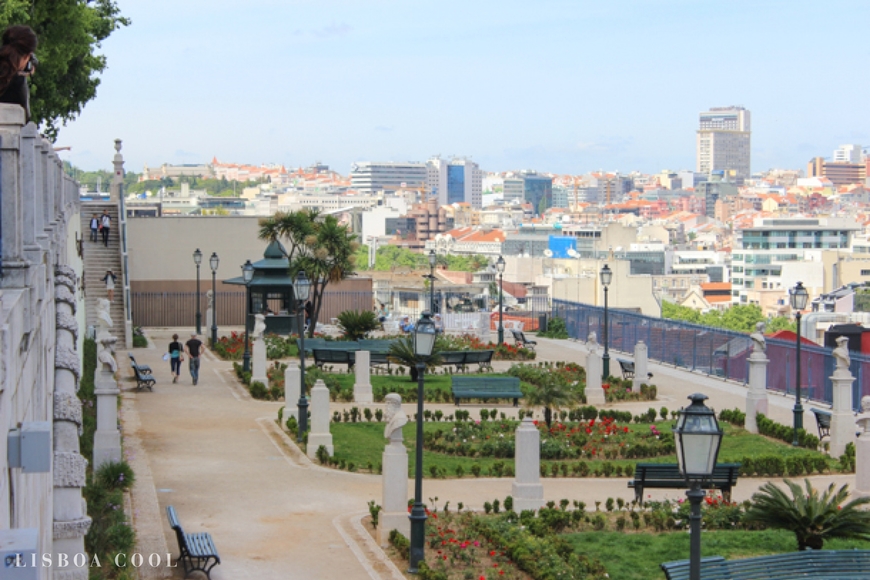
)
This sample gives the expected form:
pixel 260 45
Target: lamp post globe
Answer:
pixel 301 290
pixel 425 334
pixel 606 276
pixel 247 276
pixel 798 297
pixel 499 266
pixel 213 262
pixel 197 259
pixel 698 438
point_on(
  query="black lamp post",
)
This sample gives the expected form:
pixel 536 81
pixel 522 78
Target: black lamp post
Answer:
pixel 606 276
pixel 499 265
pixel 798 297
pixel 197 259
pixel 213 262
pixel 301 289
pixel 424 340
pixel 697 437
pixel 432 260
pixel 248 275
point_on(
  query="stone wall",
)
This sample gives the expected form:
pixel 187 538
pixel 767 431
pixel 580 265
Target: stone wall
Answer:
pixel 39 205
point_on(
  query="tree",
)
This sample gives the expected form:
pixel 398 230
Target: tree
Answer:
pixel 552 393
pixel 69 32
pixel 812 518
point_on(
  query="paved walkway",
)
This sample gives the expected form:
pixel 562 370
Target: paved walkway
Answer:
pixel 219 458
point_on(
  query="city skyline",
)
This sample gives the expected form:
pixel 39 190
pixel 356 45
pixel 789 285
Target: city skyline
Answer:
pixel 560 87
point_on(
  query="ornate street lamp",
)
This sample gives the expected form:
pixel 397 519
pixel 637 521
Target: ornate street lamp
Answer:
pixel 213 262
pixel 301 289
pixel 499 265
pixel 247 275
pixel 798 297
pixel 432 260
pixel 197 259
pixel 606 276
pixel 697 437
pixel 424 341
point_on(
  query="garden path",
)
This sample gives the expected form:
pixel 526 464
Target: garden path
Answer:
pixel 217 456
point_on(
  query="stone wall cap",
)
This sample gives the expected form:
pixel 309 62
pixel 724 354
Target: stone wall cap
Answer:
pixel 11 115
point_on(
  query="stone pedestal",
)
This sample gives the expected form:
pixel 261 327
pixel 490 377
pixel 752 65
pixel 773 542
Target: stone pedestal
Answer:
pixel 862 465
pixel 208 318
pixel 484 325
pixel 258 361
pixel 107 438
pixel 362 387
pixel 640 366
pixel 394 504
pixel 527 490
pixel 842 417
pixel 594 392
pixel 292 388
pixel 756 398
pixel 319 434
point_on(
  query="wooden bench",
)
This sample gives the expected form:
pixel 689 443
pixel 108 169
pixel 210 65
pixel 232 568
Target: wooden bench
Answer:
pixel 521 340
pixel 197 550
pixel 144 368
pixel 627 368
pixel 143 380
pixel 815 564
pixel 667 475
pixel 486 388
pixel 823 422
pixel 333 356
pixel 482 358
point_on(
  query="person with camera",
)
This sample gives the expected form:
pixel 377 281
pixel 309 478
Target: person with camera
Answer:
pixel 17 62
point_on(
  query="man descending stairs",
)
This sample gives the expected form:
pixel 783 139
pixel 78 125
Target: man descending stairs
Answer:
pixel 98 259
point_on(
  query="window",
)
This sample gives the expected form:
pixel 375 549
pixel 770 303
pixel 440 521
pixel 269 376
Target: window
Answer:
pixel 865 272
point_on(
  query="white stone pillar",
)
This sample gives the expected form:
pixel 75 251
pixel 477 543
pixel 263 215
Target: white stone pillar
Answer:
pixel 756 398
pixel 842 417
pixel 292 389
pixel 594 392
pixel 362 387
pixel 862 455
pixel 258 361
pixel 107 438
pixel 319 434
pixel 394 506
pixel 484 323
pixel 527 491
pixel 640 366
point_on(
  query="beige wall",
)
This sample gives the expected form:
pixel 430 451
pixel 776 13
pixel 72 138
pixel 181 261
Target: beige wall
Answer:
pixel 625 291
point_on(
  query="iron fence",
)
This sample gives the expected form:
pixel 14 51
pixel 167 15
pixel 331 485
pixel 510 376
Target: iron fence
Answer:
pixel 715 351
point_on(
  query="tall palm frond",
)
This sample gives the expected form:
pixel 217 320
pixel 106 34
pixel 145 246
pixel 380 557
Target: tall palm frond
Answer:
pixel 553 395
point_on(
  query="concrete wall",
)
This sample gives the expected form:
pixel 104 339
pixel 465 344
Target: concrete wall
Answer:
pixel 625 291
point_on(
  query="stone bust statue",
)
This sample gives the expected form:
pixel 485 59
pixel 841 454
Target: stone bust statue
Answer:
pixel 863 419
pixel 759 344
pixel 841 354
pixel 592 338
pixel 259 325
pixel 103 312
pixel 396 418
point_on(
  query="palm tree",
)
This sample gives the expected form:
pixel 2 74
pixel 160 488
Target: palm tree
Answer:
pixel 402 353
pixel 553 394
pixel 813 519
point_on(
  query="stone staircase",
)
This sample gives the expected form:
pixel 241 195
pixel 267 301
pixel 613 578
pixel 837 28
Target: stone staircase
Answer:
pixel 98 259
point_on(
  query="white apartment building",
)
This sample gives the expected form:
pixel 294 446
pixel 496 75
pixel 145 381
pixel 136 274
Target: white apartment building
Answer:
pixel 775 254
pixel 723 141
pixel 326 203
pixel 369 177
pixel 848 154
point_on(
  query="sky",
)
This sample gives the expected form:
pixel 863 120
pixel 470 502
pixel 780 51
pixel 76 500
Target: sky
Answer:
pixel 556 86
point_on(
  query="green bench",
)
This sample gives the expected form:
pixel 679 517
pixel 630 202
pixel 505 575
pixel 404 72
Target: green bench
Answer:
pixel 144 380
pixel 486 388
pixel 815 564
pixel 667 475
pixel 482 358
pixel 198 551
pixel 823 422
pixel 333 356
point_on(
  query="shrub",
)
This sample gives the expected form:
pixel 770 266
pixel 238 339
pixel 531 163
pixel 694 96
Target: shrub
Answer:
pixel 556 328
pixel 399 542
pixel 258 390
pixel 356 325
pixel 115 475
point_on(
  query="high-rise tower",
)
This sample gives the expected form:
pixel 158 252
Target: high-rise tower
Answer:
pixel 724 141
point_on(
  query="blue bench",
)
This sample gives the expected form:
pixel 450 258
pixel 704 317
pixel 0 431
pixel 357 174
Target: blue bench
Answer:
pixel 486 388
pixel 198 551
pixel 815 564
pixel 667 475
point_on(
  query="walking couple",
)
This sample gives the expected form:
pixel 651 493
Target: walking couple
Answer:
pixel 194 349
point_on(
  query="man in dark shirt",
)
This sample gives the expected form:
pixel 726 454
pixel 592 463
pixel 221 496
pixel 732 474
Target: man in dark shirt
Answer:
pixel 194 349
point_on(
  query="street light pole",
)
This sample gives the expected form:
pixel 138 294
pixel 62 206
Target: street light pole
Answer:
pixel 798 297
pixel 214 261
pixel 424 341
pixel 606 275
pixel 499 265
pixel 248 275
pixel 301 289
pixel 197 259
pixel 432 260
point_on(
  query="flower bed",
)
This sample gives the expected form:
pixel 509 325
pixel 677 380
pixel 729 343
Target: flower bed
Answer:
pixel 468 342
pixel 232 347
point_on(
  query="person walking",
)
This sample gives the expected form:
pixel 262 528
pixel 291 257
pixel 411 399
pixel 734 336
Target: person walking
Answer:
pixel 176 357
pixel 194 349
pixel 110 280
pixel 95 228
pixel 105 226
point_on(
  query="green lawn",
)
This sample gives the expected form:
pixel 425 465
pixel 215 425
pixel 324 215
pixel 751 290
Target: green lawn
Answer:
pixel 630 556
pixel 363 443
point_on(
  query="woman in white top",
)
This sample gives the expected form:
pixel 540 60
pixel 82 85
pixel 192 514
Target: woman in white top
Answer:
pixel 109 279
